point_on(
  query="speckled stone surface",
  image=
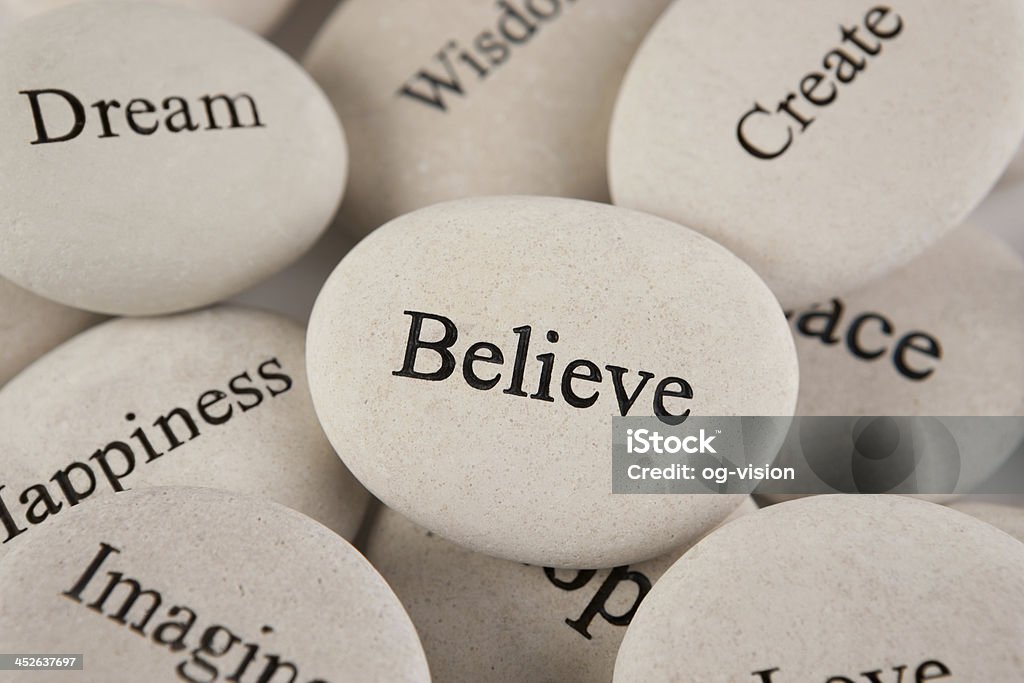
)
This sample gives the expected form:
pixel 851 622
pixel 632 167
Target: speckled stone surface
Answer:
pixel 218 395
pixel 833 586
pixel 229 587
pixel 502 473
pixel 905 143
pixel 1009 518
pixel 527 116
pixel 31 325
pixel 187 201
pixel 256 15
pixel 485 619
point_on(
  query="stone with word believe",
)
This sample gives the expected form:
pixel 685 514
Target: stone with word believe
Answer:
pixel 158 159
pixel 824 142
pixel 474 97
pixel 197 585
pixel 835 589
pixel 466 361
pixel 215 398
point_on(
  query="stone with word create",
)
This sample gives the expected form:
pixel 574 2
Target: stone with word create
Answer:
pixel 835 589
pixel 159 159
pixel 939 337
pixel 474 97
pixel 198 585
pixel 214 398
pixel 484 619
pixel 825 143
pixel 466 361
pixel 256 15
pixel 31 325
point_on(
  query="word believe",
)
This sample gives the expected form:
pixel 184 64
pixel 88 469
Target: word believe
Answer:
pixel 931 670
pixel 77 481
pixel 489 50
pixel 824 323
pixel 140 114
pixel 175 630
pixel 575 372
pixel 815 87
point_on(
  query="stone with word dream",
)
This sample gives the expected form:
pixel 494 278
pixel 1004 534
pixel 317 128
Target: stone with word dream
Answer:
pixel 466 361
pixel 485 619
pixel 474 97
pixel 824 142
pixel 31 325
pixel 256 15
pixel 842 589
pixel 939 337
pixel 198 585
pixel 215 398
pixel 157 159
pixel 1001 515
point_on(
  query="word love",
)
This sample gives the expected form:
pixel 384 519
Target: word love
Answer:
pixel 576 372
pixel 141 115
pixel 489 50
pixel 817 89
pixel 824 324
pixel 931 670
pixel 124 601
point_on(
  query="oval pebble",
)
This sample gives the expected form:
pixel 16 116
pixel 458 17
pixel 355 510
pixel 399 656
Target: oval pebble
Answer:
pixel 825 588
pixel 825 143
pixel 941 337
pixel 259 16
pixel 214 398
pixel 31 325
pixel 481 618
pixel 192 584
pixel 494 454
pixel 1004 516
pixel 131 193
pixel 475 98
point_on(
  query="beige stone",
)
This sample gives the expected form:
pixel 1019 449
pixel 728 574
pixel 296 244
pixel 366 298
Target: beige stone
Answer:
pixel 1001 515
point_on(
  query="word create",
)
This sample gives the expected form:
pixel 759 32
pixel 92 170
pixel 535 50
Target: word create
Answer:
pixel 489 50
pixel 757 130
pixel 141 115
pixel 575 372
pixel 175 630
pixel 823 324
pixel 931 670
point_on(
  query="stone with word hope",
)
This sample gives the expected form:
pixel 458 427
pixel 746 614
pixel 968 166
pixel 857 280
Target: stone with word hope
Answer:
pixel 197 585
pixel 31 325
pixel 256 15
pixel 825 142
pixel 474 97
pixel 466 361
pixel 484 619
pixel 157 159
pixel 941 337
pixel 1004 516
pixel 215 398
pixel 835 589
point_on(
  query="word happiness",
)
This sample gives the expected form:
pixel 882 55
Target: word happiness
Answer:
pixel 757 129
pixel 174 629
pixel 78 480
pixel 574 374
pixel 488 51
pixel 140 114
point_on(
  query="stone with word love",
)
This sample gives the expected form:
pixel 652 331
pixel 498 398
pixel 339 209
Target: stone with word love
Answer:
pixel 215 398
pixel 474 97
pixel 198 585
pixel 824 142
pixel 835 589
pixel 31 325
pixel 256 15
pixel 940 337
pixel 157 159
pixel 485 619
pixel 466 361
